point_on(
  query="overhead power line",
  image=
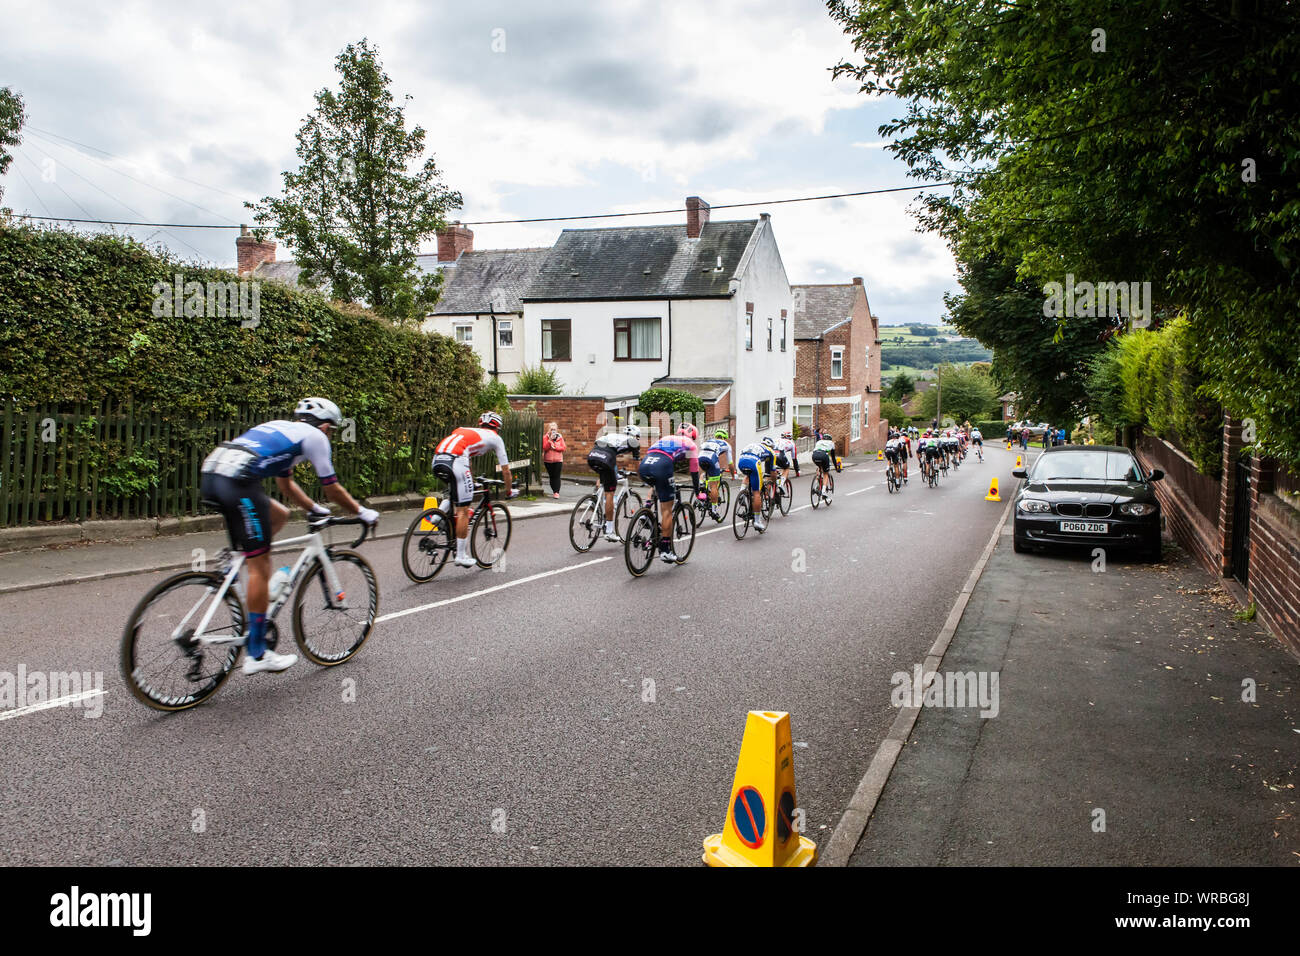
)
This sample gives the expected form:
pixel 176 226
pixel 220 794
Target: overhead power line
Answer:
pixel 503 222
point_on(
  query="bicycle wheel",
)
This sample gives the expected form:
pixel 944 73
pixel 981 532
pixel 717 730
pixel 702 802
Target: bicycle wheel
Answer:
pixel 624 513
pixel 489 536
pixel 889 480
pixel 163 664
pixel 768 501
pixel 787 496
pixel 740 515
pixel 683 532
pixel 641 542
pixel 424 551
pixel 328 627
pixel 830 488
pixel 724 501
pixel 586 523
pixel 815 494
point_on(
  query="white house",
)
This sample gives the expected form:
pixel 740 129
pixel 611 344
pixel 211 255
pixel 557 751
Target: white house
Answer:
pixel 705 307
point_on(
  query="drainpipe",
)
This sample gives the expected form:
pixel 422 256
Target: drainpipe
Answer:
pixel 817 387
pixel 493 313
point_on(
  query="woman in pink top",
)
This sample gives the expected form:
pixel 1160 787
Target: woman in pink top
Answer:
pixel 553 454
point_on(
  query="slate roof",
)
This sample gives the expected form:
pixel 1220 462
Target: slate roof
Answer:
pixel 642 262
pixel 492 277
pixel 708 390
pixel 824 306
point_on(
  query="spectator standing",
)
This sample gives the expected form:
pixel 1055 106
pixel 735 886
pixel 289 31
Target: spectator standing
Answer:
pixel 553 455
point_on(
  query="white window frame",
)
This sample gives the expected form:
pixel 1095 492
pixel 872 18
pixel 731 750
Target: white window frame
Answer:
pixel 465 326
pixel 505 325
pixel 759 424
pixel 804 419
pixel 855 419
pixel 837 355
pixel 778 410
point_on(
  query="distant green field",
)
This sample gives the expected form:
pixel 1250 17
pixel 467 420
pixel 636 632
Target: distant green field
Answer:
pixel 899 347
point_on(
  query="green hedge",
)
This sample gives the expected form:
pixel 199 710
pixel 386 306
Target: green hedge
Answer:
pixel 77 324
pixel 670 400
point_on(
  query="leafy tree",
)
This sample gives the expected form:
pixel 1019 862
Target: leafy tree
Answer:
pixel 352 213
pixel 492 397
pixel 893 412
pixel 900 386
pixel 537 380
pixel 965 394
pixel 1117 142
pixel 12 117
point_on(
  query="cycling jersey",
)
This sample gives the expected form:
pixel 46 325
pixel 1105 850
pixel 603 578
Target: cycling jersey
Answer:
pixel 977 437
pixel 468 442
pixel 272 449
pixel 822 453
pixel 712 452
pixel 619 443
pixel 752 461
pixel 678 449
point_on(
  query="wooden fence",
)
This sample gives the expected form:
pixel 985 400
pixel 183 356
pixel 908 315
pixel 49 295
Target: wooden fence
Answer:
pixel 115 459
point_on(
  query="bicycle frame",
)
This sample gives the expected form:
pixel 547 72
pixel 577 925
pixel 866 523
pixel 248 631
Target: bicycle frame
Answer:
pixel 315 548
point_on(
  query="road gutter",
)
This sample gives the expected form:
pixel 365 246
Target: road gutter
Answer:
pixel 848 832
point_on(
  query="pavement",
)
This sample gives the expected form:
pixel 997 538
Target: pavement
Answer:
pixel 1125 731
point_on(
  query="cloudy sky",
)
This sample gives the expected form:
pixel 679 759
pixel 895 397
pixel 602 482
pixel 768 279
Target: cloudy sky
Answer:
pixel 164 112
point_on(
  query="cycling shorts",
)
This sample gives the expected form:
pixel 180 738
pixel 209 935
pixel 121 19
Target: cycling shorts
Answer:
pixel 604 462
pixel 822 460
pixel 752 467
pixel 657 469
pixel 891 454
pixel 710 465
pixel 245 507
pixel 977 441
pixel 782 460
pixel 454 469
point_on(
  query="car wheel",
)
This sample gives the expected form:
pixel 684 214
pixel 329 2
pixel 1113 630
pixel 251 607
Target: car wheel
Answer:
pixel 1016 546
pixel 1154 554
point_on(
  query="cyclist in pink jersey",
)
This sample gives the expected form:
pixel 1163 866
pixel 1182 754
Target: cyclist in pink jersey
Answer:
pixel 656 469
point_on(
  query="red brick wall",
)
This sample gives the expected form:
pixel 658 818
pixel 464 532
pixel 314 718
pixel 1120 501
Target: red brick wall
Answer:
pixel 1274 579
pixel 580 421
pixel 249 254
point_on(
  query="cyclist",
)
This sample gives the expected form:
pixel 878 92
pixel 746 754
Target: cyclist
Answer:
pixel 451 463
pixel 977 442
pixel 232 478
pixel 905 450
pixel 754 459
pixel 656 469
pixel 823 453
pixel 603 460
pixel 714 454
pixel 786 452
pixel 929 447
pixel 892 451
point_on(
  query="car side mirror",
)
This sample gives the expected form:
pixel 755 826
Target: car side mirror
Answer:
pixel 1155 475
pixel 1019 473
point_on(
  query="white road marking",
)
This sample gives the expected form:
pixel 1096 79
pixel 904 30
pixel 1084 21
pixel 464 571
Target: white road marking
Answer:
pixel 56 702
pixel 860 490
pixel 498 587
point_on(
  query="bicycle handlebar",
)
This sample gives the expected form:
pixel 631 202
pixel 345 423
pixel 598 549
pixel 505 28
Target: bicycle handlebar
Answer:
pixel 325 522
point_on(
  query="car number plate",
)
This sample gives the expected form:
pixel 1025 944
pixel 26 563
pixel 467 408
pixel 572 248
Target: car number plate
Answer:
pixel 1087 527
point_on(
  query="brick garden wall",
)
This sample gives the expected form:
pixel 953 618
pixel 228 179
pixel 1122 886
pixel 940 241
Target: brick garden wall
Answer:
pixel 580 419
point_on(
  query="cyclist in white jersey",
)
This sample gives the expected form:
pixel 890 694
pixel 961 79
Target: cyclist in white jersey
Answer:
pixel 451 463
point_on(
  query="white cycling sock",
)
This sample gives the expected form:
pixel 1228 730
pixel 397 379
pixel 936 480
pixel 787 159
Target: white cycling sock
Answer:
pixel 460 547
pixel 609 527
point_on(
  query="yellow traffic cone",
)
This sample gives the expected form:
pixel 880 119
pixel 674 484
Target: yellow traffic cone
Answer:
pixel 429 502
pixel 1019 461
pixel 993 490
pixel 763 818
pixel 880 456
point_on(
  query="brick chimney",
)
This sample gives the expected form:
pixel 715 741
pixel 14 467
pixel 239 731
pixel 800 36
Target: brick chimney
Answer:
pixel 697 216
pixel 454 240
pixel 249 253
pixel 857 280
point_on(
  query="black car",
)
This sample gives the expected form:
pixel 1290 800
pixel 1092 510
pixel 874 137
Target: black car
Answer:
pixel 1089 495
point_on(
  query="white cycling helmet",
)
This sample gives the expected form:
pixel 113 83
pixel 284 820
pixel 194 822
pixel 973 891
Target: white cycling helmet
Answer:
pixel 491 420
pixel 632 431
pixel 321 409
pixel 768 442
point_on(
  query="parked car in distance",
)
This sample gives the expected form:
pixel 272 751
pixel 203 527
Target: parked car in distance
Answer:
pixel 1036 429
pixel 1087 495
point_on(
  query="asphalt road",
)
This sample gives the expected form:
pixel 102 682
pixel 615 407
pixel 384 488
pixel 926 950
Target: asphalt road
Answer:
pixel 523 707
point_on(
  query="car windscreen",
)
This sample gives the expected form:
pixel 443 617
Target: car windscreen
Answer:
pixel 1086 465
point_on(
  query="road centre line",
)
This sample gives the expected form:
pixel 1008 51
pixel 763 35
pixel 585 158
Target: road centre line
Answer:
pixel 46 705
pixel 497 587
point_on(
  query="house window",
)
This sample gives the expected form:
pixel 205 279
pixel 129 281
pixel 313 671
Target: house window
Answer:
pixel 555 340
pixel 803 416
pixel 505 333
pixel 762 415
pixel 749 331
pixel 783 325
pixel 769 333
pixel 780 411
pixel 855 420
pixel 636 340
pixel 837 363
pixel 464 333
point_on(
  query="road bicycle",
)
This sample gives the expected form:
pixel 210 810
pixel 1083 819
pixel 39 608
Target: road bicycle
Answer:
pixel 784 492
pixel 742 515
pixel 431 538
pixel 642 542
pixel 821 488
pixel 587 522
pixel 892 481
pixel 979 452
pixel 707 509
pixel 185 636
